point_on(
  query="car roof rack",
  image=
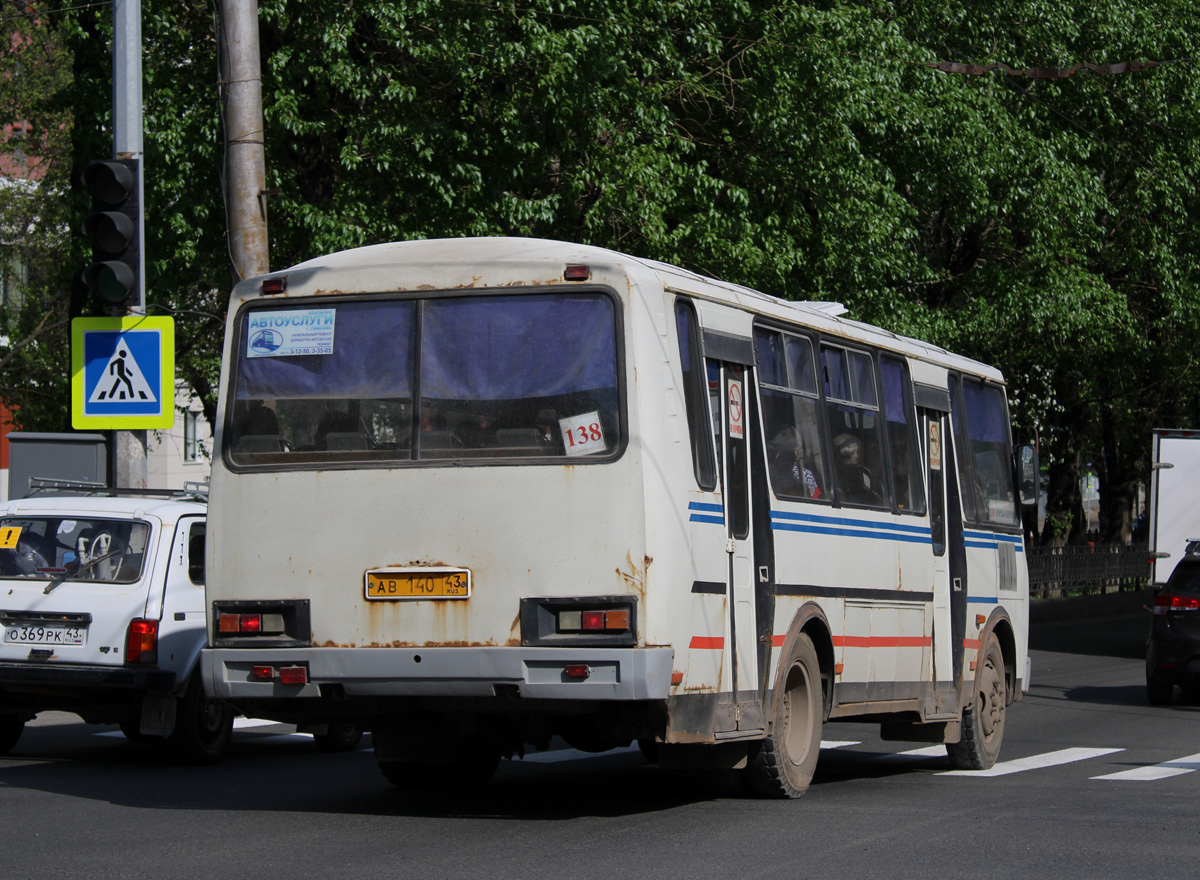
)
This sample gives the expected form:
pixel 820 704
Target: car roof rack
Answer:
pixel 194 490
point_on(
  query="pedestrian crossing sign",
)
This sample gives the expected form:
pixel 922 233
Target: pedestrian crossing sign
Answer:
pixel 123 373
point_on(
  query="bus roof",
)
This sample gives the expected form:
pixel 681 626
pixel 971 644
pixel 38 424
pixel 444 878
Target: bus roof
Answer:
pixel 376 264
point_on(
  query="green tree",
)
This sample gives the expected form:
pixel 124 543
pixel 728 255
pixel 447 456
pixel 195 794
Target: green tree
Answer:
pixel 806 149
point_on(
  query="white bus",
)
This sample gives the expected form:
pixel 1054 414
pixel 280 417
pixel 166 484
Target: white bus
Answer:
pixel 475 494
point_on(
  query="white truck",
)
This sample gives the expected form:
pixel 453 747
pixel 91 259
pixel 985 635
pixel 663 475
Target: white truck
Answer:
pixel 102 611
pixel 1174 499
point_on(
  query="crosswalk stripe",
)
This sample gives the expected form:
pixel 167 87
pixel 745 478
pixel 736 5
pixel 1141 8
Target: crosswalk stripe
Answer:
pixel 1035 762
pixel 1167 769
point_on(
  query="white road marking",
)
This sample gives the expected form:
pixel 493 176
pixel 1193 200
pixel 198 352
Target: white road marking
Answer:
pixel 1167 769
pixel 838 744
pixel 924 754
pixel 1035 762
pixel 240 723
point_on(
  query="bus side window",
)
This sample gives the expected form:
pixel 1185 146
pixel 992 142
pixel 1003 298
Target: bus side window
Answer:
pixel 787 388
pixel 852 407
pixel 907 485
pixel 695 394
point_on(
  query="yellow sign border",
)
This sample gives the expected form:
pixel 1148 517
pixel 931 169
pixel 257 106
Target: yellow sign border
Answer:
pixel 166 328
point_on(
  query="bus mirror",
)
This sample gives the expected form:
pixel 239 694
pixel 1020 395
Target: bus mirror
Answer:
pixel 1027 474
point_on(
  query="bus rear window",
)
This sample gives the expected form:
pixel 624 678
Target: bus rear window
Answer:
pixel 388 379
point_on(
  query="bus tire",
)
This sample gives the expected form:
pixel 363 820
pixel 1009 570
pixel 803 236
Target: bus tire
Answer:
pixel 983 719
pixel 11 728
pixel 784 764
pixel 342 736
pixel 203 727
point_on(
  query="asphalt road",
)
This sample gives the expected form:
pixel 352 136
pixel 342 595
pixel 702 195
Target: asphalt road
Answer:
pixel 1092 782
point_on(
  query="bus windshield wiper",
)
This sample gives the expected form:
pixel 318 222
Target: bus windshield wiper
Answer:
pixel 66 576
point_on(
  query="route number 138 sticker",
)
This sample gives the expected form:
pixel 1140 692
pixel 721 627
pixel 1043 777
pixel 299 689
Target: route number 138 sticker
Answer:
pixel 582 435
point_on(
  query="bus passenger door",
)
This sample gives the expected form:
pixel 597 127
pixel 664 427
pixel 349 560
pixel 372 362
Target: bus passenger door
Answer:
pixel 944 693
pixel 733 387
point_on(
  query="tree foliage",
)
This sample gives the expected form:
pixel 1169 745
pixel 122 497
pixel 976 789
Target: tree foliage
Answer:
pixel 1044 225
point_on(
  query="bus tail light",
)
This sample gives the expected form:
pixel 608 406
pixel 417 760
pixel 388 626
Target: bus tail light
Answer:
pixel 141 641
pixel 293 675
pixel 577 671
pixel 593 620
pixel 267 623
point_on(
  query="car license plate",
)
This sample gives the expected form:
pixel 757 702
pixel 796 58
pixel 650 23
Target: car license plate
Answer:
pixel 423 583
pixel 44 634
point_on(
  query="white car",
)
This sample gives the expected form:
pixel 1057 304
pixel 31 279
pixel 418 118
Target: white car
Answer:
pixel 102 609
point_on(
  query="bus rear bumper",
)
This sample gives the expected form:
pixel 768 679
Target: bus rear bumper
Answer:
pixel 534 673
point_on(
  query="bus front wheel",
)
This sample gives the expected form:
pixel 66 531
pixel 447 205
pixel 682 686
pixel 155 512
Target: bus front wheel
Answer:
pixel 784 764
pixel 983 719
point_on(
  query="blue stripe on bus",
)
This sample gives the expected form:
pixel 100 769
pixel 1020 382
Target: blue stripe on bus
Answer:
pixel 706 513
pixel 983 600
pixel 850 528
pixel 847 521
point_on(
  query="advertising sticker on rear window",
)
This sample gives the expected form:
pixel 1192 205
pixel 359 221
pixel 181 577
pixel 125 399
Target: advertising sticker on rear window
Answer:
pixel 291 333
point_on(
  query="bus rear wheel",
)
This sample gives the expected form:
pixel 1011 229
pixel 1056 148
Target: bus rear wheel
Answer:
pixel 983 720
pixel 784 764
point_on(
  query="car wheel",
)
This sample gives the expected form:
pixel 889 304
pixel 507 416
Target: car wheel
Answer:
pixel 1159 691
pixel 10 731
pixel 203 727
pixel 983 720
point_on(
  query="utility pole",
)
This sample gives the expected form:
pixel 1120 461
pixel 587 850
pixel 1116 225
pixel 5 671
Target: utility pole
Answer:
pixel 245 159
pixel 128 454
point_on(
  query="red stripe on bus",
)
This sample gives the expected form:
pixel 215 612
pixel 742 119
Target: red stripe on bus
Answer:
pixel 711 643
pixel 881 641
pixel 971 643
pixel 777 641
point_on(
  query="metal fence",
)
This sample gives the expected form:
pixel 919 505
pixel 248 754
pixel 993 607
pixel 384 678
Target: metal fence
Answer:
pixel 1100 568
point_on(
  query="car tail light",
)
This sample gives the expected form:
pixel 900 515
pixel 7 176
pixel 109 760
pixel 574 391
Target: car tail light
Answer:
pixel 141 642
pixel 1165 602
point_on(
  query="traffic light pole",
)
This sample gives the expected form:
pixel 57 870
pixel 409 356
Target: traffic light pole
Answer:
pixel 128 448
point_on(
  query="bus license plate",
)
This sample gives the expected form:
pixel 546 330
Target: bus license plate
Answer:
pixel 429 583
pixel 44 634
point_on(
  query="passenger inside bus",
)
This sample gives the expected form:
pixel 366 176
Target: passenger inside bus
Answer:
pixel 856 484
pixel 790 473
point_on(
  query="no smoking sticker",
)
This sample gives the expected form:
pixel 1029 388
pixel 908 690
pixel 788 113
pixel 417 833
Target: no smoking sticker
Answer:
pixel 736 429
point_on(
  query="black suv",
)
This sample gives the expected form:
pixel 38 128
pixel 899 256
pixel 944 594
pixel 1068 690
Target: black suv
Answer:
pixel 1173 650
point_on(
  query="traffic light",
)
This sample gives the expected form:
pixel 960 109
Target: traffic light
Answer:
pixel 114 229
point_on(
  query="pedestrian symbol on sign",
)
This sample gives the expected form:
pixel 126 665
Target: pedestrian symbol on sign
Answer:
pixel 122 380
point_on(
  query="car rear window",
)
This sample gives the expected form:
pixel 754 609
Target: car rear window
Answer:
pixel 72 549
pixel 1185 579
